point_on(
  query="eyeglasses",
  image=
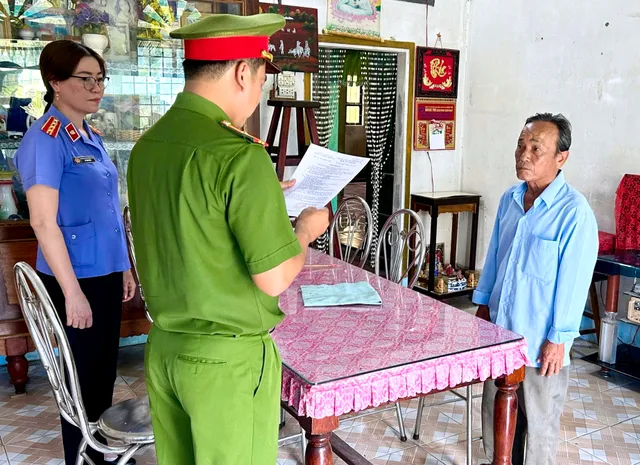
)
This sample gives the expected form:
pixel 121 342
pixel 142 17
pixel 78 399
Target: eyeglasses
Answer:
pixel 90 82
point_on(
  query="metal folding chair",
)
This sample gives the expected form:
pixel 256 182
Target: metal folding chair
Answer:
pixel 126 218
pixel 401 252
pixel 351 232
pixel 126 424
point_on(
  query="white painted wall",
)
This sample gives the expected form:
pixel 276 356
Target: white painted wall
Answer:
pixel 528 57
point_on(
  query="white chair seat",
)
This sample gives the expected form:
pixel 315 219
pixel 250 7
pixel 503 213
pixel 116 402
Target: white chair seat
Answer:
pixel 128 421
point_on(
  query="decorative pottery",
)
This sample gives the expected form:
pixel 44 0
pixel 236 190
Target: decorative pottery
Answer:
pixel 97 42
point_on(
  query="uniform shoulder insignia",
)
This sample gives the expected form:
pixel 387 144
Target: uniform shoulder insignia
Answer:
pixel 95 130
pixel 72 132
pixel 52 126
pixel 243 134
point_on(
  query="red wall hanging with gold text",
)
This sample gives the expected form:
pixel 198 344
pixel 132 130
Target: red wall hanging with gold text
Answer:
pixel 437 72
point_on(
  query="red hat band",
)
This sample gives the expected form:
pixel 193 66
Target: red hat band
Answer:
pixel 227 48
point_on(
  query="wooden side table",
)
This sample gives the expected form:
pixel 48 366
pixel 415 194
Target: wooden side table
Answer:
pixel 455 203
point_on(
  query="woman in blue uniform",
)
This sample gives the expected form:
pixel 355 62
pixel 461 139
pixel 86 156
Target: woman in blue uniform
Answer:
pixel 72 193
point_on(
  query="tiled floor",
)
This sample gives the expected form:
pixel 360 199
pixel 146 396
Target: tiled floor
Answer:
pixel 600 423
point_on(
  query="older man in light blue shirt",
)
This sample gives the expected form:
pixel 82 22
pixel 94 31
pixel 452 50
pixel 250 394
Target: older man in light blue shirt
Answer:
pixel 535 282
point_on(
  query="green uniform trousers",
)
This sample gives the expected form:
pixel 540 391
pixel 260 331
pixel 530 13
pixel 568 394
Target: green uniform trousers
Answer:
pixel 214 399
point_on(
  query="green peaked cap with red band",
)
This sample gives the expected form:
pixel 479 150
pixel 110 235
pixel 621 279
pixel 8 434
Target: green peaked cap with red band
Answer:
pixel 222 37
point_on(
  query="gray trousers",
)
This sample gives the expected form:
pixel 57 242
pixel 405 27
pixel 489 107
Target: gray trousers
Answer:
pixel 540 404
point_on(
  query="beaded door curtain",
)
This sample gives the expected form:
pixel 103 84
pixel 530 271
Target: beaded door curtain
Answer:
pixel 380 77
pixel 326 91
pixel 378 72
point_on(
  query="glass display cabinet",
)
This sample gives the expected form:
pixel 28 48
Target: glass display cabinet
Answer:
pixel 145 70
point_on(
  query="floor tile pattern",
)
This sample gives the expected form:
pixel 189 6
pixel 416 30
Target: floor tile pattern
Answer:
pixel 600 422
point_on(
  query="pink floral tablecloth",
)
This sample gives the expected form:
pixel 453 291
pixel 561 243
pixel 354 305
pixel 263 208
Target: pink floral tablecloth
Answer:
pixel 345 359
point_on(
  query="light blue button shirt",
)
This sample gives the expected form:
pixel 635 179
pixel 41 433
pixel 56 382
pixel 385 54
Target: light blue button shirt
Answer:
pixel 539 265
pixel 86 179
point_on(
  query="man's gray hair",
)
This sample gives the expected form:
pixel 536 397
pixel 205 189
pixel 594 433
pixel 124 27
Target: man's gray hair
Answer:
pixel 563 125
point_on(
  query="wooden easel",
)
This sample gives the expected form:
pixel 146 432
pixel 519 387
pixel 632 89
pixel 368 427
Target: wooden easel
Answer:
pixel 304 118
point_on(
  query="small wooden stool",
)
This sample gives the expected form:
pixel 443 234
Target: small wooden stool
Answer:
pixel 283 107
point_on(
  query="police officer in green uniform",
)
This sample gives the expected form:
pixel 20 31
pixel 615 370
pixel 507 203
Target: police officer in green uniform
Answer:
pixel 214 249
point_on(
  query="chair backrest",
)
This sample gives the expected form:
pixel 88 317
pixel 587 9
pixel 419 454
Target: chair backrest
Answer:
pixel 351 231
pixel 126 218
pixel 47 331
pixel 627 213
pixel 402 235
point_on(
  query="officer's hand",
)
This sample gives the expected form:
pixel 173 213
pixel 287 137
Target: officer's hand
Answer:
pixel 78 311
pixel 312 222
pixel 128 286
pixel 551 358
pixel 483 312
pixel 287 184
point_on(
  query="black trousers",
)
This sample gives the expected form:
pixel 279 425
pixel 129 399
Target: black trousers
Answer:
pixel 95 351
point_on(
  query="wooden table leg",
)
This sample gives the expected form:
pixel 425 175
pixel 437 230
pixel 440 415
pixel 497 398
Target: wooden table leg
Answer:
pixel 611 306
pixel 595 308
pixel 282 146
pixel 318 449
pixel 18 367
pixel 505 416
pixel 613 289
pixel 433 234
pixel 273 126
pixel 474 237
pixel 318 433
pixel 17 364
pixel 454 240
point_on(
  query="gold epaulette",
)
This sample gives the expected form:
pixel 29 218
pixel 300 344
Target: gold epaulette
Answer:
pixel 52 126
pixel 243 134
pixel 95 130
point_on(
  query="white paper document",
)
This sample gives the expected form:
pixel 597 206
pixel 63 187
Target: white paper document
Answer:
pixel 320 176
pixel 436 136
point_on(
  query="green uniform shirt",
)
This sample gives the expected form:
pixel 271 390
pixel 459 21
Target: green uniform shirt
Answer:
pixel 207 212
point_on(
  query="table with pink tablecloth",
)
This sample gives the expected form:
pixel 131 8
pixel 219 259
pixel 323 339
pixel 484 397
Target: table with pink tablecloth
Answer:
pixel 338 360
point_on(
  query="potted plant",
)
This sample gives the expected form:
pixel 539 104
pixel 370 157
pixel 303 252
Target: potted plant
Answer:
pixel 92 25
pixel 21 28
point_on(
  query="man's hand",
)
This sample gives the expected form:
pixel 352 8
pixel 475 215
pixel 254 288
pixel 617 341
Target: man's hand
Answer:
pixel 287 184
pixel 312 222
pixel 551 358
pixel 483 313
